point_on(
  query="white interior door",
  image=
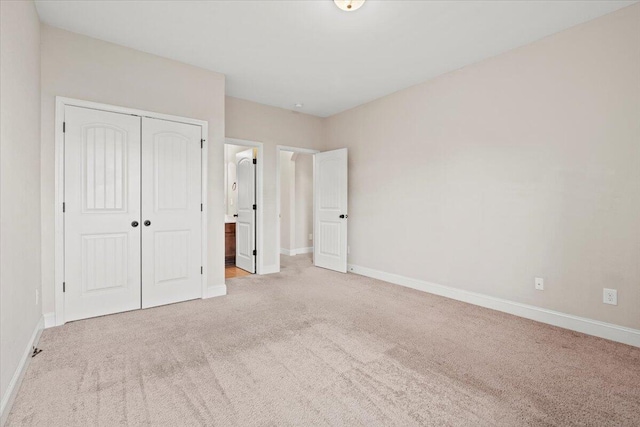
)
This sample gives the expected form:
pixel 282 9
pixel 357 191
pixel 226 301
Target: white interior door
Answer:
pixel 101 213
pixel 246 220
pixel 171 212
pixel 330 210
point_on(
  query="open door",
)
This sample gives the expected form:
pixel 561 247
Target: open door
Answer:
pixel 246 204
pixel 330 210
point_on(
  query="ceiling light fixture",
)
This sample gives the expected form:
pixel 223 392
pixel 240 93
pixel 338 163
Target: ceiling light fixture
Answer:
pixel 299 105
pixel 349 5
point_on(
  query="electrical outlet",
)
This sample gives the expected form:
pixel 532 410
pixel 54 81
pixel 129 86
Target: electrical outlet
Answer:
pixel 310 236
pixel 610 296
pixel 539 283
pixel 348 249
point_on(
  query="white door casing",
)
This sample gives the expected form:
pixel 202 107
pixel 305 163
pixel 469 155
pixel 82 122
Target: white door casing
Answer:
pixel 246 220
pixel 330 210
pixel 102 201
pixel 112 190
pixel 171 212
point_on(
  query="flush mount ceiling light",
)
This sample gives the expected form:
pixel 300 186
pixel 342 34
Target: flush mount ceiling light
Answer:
pixel 349 5
pixel 299 105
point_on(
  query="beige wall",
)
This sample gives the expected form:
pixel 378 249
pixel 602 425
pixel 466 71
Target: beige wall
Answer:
pixel 272 126
pixel 81 67
pixel 523 165
pixel 303 201
pixel 19 184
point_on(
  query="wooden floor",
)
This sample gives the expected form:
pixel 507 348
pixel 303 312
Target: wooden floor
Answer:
pixel 233 271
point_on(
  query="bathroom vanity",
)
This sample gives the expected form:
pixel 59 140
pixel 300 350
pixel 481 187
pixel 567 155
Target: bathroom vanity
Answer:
pixel 229 241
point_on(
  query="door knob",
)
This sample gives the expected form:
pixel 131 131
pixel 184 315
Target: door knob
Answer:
pixel 344 216
pixel 134 224
pixel 147 223
pixel 235 215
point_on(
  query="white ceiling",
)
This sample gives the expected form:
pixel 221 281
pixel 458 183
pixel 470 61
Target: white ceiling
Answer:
pixel 286 52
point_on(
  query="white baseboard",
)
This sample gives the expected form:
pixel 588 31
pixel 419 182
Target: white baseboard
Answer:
pixel 16 380
pixel 575 323
pixel 298 251
pixel 215 291
pixel 49 320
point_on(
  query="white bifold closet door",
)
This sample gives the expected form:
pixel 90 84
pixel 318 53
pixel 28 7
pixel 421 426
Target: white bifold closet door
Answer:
pixel 132 220
pixel 171 212
pixel 101 213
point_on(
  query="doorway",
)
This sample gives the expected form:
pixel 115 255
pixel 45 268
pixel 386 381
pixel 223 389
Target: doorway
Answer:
pixel 296 203
pixel 294 190
pixel 242 172
pixel 328 240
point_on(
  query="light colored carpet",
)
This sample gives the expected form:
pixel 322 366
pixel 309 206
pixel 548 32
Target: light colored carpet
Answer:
pixel 313 347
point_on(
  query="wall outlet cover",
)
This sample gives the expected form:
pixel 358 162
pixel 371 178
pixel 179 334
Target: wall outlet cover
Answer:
pixel 539 282
pixel 610 296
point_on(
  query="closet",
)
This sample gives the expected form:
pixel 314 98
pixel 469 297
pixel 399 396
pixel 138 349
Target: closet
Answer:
pixel 132 212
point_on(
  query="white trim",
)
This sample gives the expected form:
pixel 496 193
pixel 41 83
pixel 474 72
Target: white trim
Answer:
pixel 49 320
pixel 204 215
pixel 294 252
pixel 297 149
pixel 125 110
pixel 61 103
pixel 259 196
pixel 271 269
pixel 215 291
pixel 280 148
pixel 16 380
pixel 59 218
pixel 580 324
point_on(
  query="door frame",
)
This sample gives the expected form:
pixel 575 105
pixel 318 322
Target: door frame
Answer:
pixel 259 197
pixel 61 103
pixel 279 149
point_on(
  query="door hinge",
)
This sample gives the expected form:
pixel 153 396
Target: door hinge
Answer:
pixel 255 252
pixel 255 207
pixel 255 161
pixel 201 207
pixel 64 207
pixel 64 127
pixel 201 270
pixel 64 287
pixel 202 143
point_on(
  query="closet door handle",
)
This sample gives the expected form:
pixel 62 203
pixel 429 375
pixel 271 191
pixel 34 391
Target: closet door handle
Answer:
pixel 344 216
pixel 134 224
pixel 147 223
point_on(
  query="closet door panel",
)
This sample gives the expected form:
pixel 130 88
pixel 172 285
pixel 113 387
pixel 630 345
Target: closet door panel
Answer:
pixel 171 212
pixel 102 201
